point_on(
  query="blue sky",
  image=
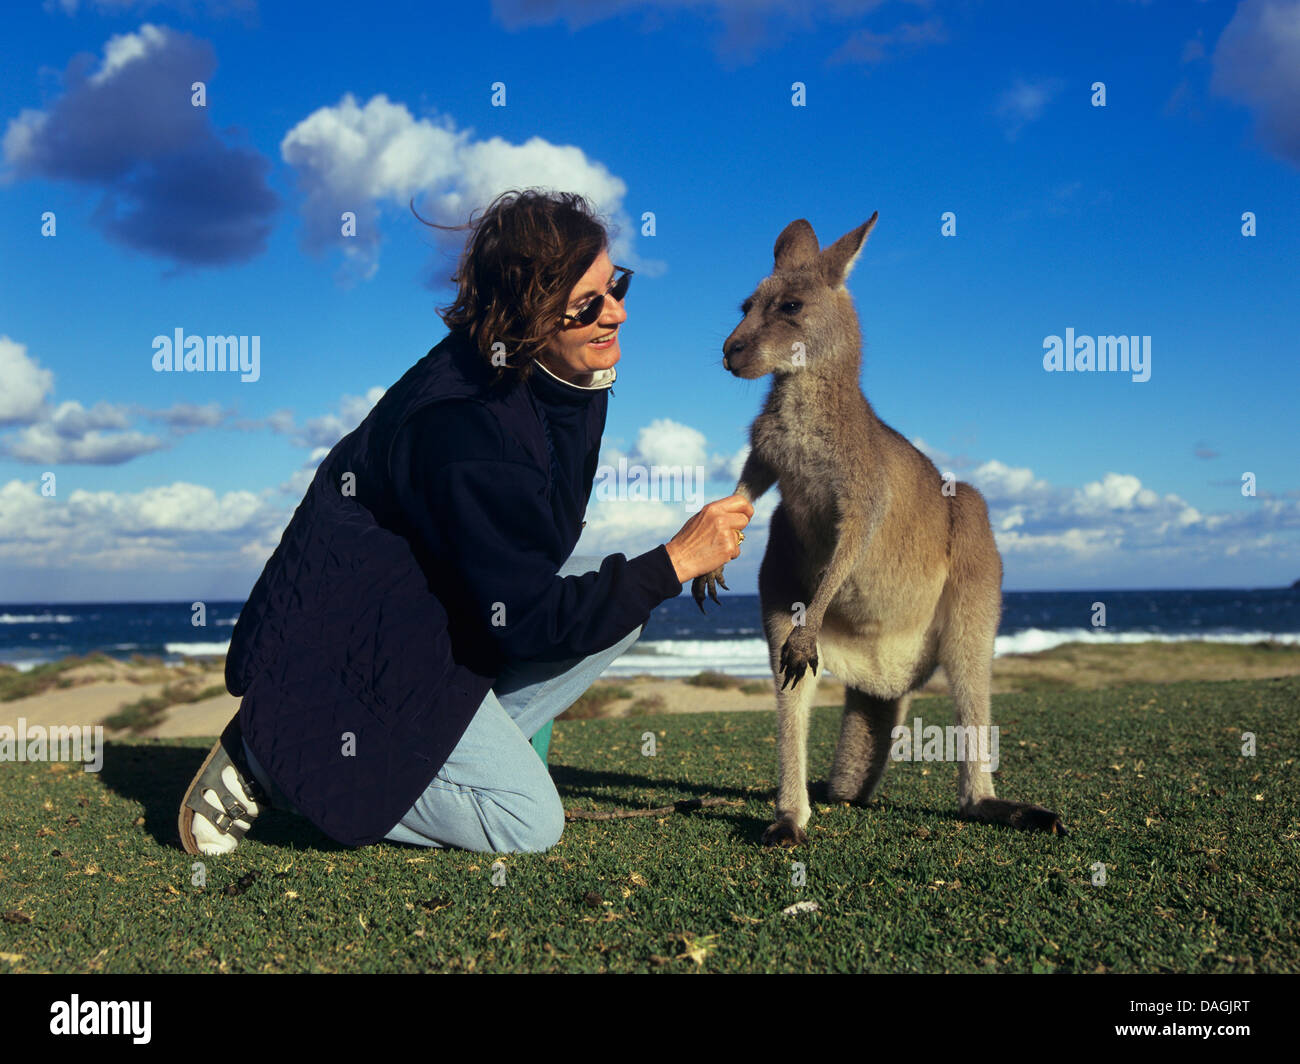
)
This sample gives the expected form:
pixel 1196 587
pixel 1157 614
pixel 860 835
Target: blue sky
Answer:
pixel 1122 219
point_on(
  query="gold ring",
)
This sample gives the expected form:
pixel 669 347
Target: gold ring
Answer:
pixel 742 537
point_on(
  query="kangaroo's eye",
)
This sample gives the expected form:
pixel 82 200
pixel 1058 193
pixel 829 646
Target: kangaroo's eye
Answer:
pixel 792 306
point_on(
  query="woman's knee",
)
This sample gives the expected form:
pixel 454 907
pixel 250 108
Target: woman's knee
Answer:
pixel 536 825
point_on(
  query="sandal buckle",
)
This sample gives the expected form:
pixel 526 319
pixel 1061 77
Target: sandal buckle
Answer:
pixel 236 811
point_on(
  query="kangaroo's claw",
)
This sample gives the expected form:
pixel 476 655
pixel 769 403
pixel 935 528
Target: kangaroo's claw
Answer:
pixel 708 583
pixel 798 654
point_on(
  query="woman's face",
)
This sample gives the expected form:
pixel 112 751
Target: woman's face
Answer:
pixel 571 353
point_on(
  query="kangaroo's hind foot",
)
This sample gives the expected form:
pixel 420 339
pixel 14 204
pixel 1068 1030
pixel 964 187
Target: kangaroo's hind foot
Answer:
pixel 785 832
pixel 1022 815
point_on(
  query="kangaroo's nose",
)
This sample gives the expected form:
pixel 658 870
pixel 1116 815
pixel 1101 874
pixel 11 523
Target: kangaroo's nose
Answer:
pixel 731 347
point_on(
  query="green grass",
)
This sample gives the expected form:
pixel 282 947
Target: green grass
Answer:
pixel 1200 846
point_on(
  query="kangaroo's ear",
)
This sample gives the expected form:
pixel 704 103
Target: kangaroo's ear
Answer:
pixel 838 259
pixel 796 246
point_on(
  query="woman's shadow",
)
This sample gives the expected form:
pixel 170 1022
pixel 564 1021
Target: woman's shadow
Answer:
pixel 156 772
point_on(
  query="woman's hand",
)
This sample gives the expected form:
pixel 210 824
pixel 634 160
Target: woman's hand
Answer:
pixel 709 539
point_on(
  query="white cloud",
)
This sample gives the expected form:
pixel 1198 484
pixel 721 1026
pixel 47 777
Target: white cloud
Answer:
pixel 670 443
pixel 300 479
pixel 23 513
pixel 71 432
pixel 355 157
pixel 327 429
pixel 26 384
pixel 44 444
pixel 165 510
pixel 165 528
pixel 1115 491
pixel 1071 545
pixel 183 417
pixel 665 442
pixel 67 433
pixel 1000 482
pixel 72 420
pixel 123 49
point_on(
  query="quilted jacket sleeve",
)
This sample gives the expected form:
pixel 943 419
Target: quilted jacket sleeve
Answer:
pixel 480 505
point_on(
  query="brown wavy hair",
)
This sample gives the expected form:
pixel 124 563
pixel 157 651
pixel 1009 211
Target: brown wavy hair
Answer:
pixel 524 255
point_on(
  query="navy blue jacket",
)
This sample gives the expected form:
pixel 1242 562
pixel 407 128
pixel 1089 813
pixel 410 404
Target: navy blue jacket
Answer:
pixel 422 559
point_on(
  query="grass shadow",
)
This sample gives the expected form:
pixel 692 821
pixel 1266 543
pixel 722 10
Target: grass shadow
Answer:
pixel 156 773
pixel 574 782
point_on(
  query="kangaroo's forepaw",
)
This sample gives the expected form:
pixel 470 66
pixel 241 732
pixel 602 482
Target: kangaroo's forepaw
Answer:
pixel 799 652
pixel 709 583
pixel 784 832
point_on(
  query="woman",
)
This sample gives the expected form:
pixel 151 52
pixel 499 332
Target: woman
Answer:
pixel 422 618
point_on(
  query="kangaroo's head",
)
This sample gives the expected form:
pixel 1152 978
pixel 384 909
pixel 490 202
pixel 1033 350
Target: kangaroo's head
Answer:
pixel 801 316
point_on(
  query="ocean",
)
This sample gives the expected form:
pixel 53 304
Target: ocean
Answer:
pixel 678 640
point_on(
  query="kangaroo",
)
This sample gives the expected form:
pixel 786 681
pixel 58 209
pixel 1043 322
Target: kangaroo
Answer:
pixel 875 565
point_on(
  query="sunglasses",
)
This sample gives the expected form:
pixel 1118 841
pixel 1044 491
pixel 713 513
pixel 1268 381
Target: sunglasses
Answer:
pixel 589 313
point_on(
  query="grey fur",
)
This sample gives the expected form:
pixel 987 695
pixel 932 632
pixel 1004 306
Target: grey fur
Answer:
pixel 896 576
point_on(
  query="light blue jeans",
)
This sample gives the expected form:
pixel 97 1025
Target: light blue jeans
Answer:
pixel 495 794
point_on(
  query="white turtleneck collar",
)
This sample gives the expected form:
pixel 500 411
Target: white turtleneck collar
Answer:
pixel 595 381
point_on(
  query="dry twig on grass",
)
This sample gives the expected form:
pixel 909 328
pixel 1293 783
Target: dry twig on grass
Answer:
pixel 683 805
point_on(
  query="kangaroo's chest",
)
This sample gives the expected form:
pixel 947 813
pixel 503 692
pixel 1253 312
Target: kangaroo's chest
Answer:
pixel 808 464
pixel 811 458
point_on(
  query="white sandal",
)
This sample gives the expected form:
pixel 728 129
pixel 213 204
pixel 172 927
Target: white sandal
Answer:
pixel 214 827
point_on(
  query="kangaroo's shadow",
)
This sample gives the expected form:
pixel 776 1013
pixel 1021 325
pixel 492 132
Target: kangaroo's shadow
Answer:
pixel 575 782
pixel 580 782
pixel 572 782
